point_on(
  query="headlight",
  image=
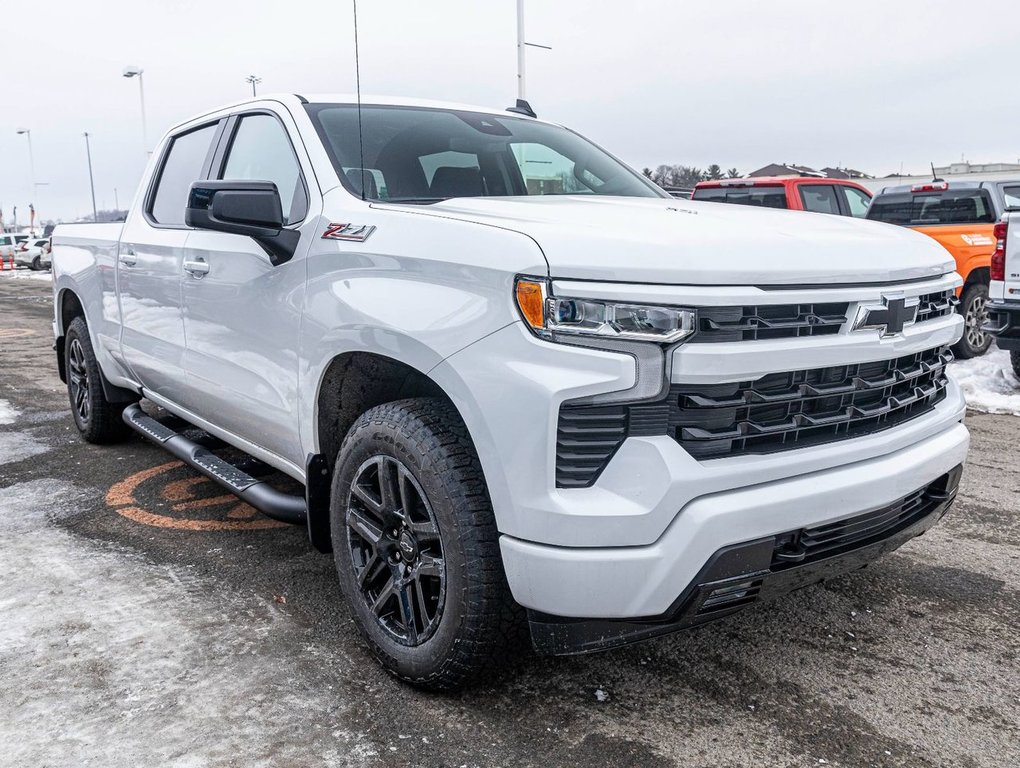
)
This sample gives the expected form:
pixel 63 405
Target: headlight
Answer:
pixel 548 315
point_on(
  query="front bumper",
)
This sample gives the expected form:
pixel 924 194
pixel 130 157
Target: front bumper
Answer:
pixel 634 582
pixel 740 575
pixel 1004 323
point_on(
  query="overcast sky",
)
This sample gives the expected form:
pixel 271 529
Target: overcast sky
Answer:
pixel 870 84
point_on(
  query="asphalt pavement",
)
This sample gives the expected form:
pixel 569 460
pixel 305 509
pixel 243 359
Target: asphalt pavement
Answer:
pixel 148 619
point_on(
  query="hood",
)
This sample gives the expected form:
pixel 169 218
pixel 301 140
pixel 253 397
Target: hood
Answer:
pixel 682 242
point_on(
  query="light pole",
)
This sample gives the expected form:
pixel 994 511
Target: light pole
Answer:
pixel 31 161
pixel 130 72
pixel 254 81
pixel 92 184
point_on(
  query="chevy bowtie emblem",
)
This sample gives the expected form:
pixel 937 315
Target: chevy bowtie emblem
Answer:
pixel 356 232
pixel 890 317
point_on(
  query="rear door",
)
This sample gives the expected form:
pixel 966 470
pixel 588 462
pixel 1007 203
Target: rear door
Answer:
pixel 820 198
pixel 150 266
pixel 242 315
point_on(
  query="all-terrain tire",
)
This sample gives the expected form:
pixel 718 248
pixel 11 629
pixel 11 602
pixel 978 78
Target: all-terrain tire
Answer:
pixel 98 420
pixel 425 445
pixel 974 308
pixel 1014 359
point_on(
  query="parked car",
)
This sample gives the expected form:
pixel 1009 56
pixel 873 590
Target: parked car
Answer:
pixel 602 411
pixel 961 216
pixel 799 193
pixel 1004 287
pixel 33 253
pixel 9 243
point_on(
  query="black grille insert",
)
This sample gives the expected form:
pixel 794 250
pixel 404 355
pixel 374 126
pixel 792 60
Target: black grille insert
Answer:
pixel 800 408
pixel 780 411
pixel 936 305
pixel 768 321
pixel 810 544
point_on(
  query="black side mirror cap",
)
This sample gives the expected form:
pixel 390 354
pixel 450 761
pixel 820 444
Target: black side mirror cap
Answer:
pixel 251 208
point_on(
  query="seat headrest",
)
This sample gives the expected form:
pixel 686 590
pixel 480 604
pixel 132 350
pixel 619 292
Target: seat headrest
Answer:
pixel 456 182
pixel 355 175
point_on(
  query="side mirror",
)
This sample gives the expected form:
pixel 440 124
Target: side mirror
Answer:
pixel 251 208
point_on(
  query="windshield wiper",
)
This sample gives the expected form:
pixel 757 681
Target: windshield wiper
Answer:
pixel 413 200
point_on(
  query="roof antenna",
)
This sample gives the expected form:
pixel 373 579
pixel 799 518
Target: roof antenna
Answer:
pixel 357 80
pixel 934 176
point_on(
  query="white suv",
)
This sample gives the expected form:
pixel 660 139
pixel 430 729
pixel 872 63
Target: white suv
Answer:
pixel 517 380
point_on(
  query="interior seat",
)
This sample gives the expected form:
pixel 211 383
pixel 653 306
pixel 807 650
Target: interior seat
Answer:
pixel 456 182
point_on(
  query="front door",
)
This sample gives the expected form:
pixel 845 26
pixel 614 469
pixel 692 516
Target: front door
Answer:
pixel 242 315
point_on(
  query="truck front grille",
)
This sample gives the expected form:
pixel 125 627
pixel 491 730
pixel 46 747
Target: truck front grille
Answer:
pixel 768 321
pixel 936 305
pixel 780 411
pixel 800 408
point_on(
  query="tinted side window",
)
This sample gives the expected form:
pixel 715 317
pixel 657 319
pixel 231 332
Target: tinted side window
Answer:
pixel 761 197
pixel 181 169
pixel 857 202
pixel 820 198
pixel 261 151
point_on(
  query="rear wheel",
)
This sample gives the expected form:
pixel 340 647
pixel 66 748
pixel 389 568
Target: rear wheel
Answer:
pixel 98 420
pixel 37 263
pixel 974 308
pixel 416 546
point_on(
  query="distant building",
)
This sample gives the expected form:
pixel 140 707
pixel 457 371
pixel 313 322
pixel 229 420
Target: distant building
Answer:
pixel 961 168
pixel 962 171
pixel 787 169
pixel 845 173
pixel 784 169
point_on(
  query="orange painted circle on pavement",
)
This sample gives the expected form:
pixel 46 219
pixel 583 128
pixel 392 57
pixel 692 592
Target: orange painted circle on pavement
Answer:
pixel 16 333
pixel 182 500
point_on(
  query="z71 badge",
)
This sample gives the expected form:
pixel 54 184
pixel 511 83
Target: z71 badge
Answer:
pixel 356 232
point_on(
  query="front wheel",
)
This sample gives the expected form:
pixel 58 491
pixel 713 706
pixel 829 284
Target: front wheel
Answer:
pixel 1014 359
pixel 98 420
pixel 974 308
pixel 416 546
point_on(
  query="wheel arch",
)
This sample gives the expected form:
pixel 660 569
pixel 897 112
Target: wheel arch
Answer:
pixel 350 384
pixel 67 306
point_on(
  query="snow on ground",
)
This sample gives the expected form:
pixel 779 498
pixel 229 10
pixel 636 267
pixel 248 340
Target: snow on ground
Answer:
pixel 25 274
pixel 8 413
pixel 988 382
pixel 110 660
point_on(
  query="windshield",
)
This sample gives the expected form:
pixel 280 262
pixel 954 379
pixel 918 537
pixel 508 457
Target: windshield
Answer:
pixel 760 196
pixel 967 206
pixel 420 155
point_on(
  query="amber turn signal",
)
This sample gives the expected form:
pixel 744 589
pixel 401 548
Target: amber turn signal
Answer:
pixel 531 302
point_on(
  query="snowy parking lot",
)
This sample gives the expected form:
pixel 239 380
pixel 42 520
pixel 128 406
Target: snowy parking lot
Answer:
pixel 149 620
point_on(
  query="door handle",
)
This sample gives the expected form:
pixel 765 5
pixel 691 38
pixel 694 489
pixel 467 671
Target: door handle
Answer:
pixel 127 258
pixel 196 268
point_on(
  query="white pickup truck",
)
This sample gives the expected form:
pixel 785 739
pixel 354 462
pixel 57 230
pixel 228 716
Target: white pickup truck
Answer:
pixel 521 385
pixel 1004 288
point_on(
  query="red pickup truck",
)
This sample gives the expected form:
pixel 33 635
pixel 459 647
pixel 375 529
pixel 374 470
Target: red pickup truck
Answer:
pixel 798 193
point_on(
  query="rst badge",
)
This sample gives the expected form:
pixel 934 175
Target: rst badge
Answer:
pixel 357 233
pixel 889 317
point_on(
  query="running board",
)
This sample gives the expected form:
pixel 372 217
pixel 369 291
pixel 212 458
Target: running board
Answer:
pixel 266 499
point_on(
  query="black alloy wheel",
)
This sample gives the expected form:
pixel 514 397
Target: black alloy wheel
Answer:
pixel 78 381
pixel 396 550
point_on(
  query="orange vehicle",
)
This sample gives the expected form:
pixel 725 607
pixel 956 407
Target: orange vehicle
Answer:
pixel 961 216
